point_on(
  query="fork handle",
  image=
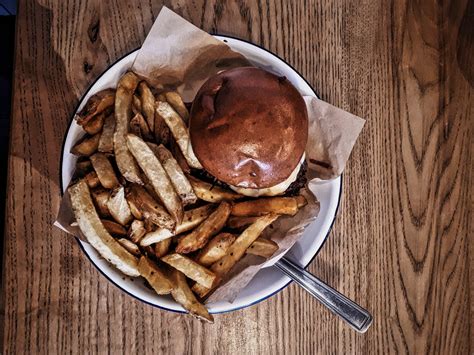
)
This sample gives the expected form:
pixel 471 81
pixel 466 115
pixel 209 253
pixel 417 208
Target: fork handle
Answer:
pixel 353 314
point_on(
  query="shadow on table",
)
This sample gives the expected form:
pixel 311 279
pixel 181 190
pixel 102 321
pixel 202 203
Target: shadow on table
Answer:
pixel 44 110
pixel 40 123
pixel 7 29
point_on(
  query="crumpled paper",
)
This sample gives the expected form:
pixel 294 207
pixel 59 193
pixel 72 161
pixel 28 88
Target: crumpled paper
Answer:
pixel 179 55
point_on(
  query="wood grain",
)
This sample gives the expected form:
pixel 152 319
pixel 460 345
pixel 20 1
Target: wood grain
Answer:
pixel 401 246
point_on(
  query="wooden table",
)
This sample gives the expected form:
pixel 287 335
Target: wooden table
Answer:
pixel 401 246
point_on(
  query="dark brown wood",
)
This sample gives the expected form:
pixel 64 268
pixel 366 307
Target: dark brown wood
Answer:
pixel 402 243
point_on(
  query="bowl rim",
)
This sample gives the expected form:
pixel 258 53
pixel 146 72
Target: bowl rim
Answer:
pixel 79 242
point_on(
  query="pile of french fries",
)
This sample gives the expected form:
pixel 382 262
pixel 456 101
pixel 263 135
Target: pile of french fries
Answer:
pixel 138 204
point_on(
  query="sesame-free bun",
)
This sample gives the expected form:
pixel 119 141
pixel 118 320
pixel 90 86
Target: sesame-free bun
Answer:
pixel 249 127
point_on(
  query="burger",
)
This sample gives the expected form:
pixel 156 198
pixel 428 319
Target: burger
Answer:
pixel 249 129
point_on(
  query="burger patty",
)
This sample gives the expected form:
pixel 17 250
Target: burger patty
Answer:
pixel 299 183
pixel 293 189
pixel 205 176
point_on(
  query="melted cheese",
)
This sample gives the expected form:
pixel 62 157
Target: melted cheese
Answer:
pixel 274 190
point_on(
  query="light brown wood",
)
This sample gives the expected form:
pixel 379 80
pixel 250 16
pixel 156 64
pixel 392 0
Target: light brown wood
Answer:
pixel 402 243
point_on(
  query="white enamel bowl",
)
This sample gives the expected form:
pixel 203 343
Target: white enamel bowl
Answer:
pixel 269 280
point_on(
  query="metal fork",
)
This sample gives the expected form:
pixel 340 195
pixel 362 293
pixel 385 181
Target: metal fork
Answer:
pixel 353 314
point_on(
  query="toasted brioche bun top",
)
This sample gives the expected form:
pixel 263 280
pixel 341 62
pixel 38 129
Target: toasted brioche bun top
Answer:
pixel 249 127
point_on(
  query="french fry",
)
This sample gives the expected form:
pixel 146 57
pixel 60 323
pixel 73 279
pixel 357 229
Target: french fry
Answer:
pixel 184 296
pixel 175 100
pixel 147 104
pixel 236 251
pixel 95 232
pixel 114 228
pixel 263 247
pixel 134 125
pixel 118 206
pixel 136 104
pixel 92 179
pixel 148 207
pixel 205 191
pixel 161 130
pixel 153 147
pixel 236 222
pixel 202 291
pixel 139 127
pixel 157 176
pixel 86 146
pixel 105 171
pixel 215 249
pixel 162 248
pixel 179 156
pixel 241 244
pixel 123 104
pixel 149 252
pixel 136 231
pixel 179 131
pixel 83 167
pixel 161 97
pixel 149 188
pixel 156 236
pixel 177 238
pixel 106 141
pixel 149 225
pixel 144 129
pixel 262 206
pixel 210 227
pixel 96 104
pixel 130 246
pixel 191 219
pixel 194 217
pixel 155 277
pixel 190 268
pixel 100 196
pixel 95 125
pixel 136 213
pixel 179 180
